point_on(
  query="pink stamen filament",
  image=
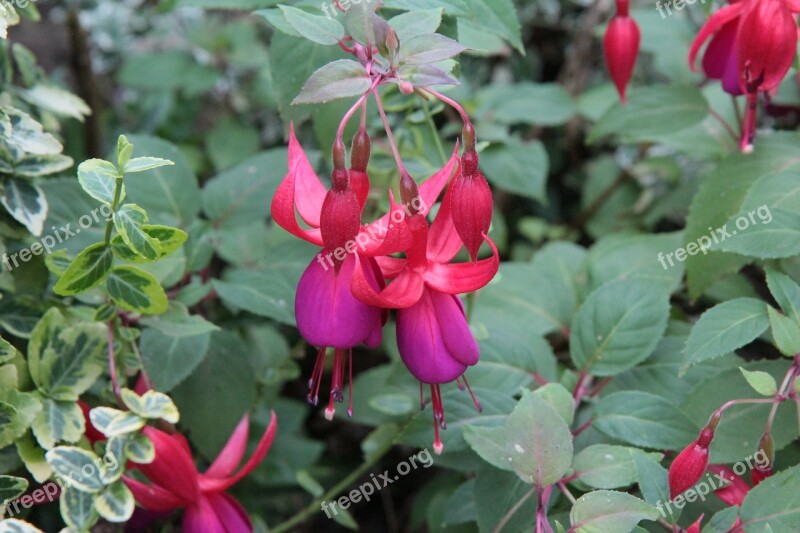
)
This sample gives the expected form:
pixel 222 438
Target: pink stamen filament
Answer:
pixel 478 405
pixel 316 378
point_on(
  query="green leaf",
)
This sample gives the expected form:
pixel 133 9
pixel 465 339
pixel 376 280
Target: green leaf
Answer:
pixel 151 404
pixel 140 449
pixel 543 104
pixel 654 485
pixel 58 421
pixel 538 442
pixel 171 359
pixel 775 239
pixel 87 270
pixel 429 48
pixel 761 382
pixel 618 326
pixel 135 290
pixel 724 328
pixel 786 292
pixel 321 30
pixel 785 332
pixel 652 111
pixel 128 220
pixel 170 239
pixel 165 191
pixel 99 179
pixel 141 164
pixel 124 151
pixel 7 351
pixel 57 100
pixel 338 79
pixel 80 469
pixel 517 167
pixel 559 399
pixel 77 508
pixel 774 503
pixel 17 412
pixel 735 175
pixel 177 322
pixel 605 466
pixel 122 423
pixel 32 166
pixel 645 420
pixel 101 417
pixel 26 203
pixel 115 503
pixel 12 525
pixel 495 493
pixel 489 444
pixel 602 511
pixel 417 22
pixel 11 487
pixel 393 404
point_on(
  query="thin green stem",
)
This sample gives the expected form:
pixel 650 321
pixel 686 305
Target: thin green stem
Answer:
pixel 114 206
pixel 434 131
pixel 315 506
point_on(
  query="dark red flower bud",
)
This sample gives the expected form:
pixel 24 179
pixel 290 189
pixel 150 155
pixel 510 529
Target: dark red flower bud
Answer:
pixel 621 46
pixel 340 219
pixel 765 454
pixel 409 194
pixel 359 160
pixel 689 466
pixel 471 204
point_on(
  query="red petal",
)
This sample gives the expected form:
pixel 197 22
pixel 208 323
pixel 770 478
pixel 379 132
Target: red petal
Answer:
pixel 621 47
pixel 430 190
pixel 717 20
pixel 231 455
pixel 152 497
pixel 404 291
pixel 463 277
pixel 387 235
pixel 767 42
pixel 309 191
pixel 695 528
pixel 734 492
pixel 211 484
pixel 390 266
pixel 230 513
pixel 173 468
pixel 202 518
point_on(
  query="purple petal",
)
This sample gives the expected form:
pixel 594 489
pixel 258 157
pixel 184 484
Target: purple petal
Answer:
pixel 422 344
pixel 455 330
pixel 719 51
pixel 327 312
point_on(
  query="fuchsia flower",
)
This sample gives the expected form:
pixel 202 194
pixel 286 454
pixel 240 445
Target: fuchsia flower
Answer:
pixel 433 336
pixel 689 466
pixel 175 481
pixel 753 44
pixel 621 47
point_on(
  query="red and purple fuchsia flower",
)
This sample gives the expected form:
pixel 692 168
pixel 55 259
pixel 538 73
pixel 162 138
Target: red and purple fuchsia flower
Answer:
pixel 752 45
pixel 344 296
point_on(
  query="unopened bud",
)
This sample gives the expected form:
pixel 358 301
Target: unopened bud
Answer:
pixel 468 136
pixel 689 466
pixel 406 87
pixel 764 457
pixel 360 151
pixel 339 155
pixel 392 41
pixel 621 47
pixel 409 193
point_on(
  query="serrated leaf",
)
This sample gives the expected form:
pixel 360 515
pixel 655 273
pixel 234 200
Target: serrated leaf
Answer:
pixel 88 270
pixel 774 503
pixel 602 511
pixel 141 164
pixel 761 382
pixel 775 239
pixel 338 79
pixel 429 48
pixel 785 291
pixel 489 444
pixel 618 326
pixel 321 30
pixel 724 328
pixel 99 179
pixel 135 290
pixel 785 332
pixel 80 469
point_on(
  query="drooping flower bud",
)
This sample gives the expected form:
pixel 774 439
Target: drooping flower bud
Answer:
pixel 471 204
pixel 689 466
pixel 765 455
pixel 340 218
pixel 359 160
pixel 621 46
